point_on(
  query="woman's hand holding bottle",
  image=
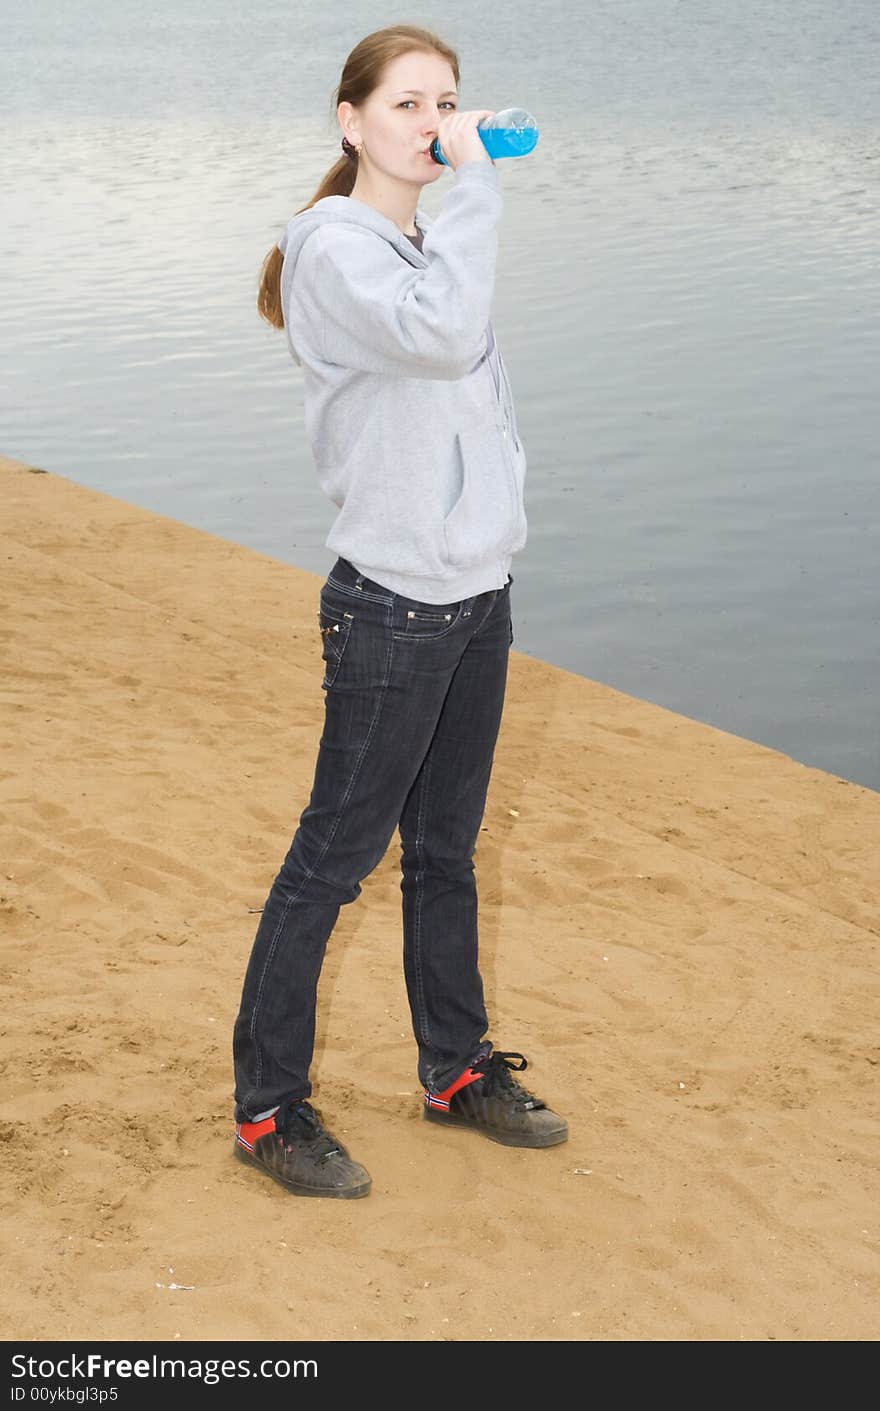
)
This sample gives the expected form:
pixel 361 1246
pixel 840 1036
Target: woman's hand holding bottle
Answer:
pixel 459 139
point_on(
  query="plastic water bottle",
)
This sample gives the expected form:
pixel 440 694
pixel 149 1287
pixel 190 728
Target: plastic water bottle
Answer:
pixel 510 133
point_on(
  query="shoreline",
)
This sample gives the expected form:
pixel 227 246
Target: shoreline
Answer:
pixel 679 928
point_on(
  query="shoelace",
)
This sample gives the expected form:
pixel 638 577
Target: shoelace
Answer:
pixel 303 1120
pixel 498 1082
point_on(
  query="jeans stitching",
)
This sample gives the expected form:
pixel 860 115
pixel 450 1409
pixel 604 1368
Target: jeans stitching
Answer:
pixel 357 592
pixel 273 944
pixel 488 614
pixel 420 891
pixel 336 653
pixel 432 636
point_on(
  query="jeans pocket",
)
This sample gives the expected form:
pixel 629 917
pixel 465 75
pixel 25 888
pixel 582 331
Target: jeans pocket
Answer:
pixel 335 625
pixel 427 623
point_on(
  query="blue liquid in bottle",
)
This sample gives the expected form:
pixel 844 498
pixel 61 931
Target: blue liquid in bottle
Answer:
pixel 510 133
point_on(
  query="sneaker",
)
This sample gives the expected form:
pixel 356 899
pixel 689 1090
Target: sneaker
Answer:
pixel 486 1097
pixel 296 1149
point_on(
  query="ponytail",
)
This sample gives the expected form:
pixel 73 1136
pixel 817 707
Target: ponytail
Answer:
pixel 338 182
pixel 361 74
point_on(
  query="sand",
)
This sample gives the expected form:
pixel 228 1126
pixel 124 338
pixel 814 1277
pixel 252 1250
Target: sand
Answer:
pixel 679 928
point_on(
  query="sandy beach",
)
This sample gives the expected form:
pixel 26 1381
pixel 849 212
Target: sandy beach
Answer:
pixel 678 927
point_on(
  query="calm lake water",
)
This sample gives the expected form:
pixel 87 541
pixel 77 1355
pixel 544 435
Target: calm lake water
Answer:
pixel 687 299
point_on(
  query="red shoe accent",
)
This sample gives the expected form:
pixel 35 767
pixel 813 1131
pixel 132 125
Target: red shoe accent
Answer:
pixel 247 1133
pixel 442 1100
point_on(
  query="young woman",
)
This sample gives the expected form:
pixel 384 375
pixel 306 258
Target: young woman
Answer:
pixel 410 417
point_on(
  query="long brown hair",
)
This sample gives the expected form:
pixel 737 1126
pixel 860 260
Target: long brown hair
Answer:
pixel 361 74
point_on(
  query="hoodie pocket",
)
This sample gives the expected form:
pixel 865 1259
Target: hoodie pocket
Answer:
pixel 484 518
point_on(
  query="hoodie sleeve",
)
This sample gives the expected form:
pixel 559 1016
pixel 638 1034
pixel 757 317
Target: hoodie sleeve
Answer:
pixel 372 311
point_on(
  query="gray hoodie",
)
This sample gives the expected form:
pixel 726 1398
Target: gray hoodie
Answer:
pixel 414 438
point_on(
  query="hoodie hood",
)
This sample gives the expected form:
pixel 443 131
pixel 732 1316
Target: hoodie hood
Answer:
pixel 345 209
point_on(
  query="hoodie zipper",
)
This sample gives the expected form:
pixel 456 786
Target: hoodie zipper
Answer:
pixel 508 399
pixel 501 413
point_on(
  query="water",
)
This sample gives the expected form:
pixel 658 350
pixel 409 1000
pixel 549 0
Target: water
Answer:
pixel 686 300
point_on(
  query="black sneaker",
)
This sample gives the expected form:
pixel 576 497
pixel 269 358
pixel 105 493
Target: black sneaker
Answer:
pixel 486 1097
pixel 297 1151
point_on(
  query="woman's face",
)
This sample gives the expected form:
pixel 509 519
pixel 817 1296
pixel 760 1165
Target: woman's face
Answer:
pixel 398 122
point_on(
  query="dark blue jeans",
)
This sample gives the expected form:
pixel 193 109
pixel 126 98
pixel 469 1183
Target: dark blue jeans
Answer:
pixel 414 694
